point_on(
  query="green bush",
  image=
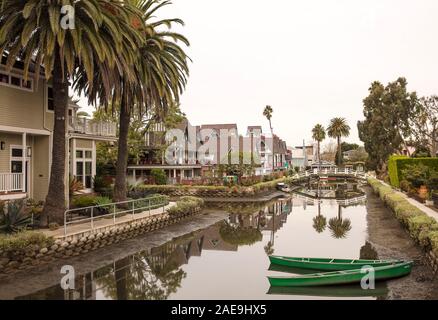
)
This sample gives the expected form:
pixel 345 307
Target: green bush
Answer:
pixel 84 201
pixel 398 163
pixel 159 176
pixel 186 205
pixel 23 240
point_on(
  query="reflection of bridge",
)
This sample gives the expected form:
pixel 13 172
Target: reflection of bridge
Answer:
pixel 335 172
pixel 342 202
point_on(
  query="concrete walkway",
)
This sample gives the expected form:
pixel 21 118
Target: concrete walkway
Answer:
pixel 101 223
pixel 419 205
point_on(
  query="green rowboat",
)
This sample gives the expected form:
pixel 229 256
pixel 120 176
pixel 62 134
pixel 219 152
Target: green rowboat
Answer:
pixel 343 291
pixel 328 264
pixel 341 277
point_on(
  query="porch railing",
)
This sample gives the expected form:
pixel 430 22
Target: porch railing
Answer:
pixel 91 127
pixel 112 211
pixel 10 182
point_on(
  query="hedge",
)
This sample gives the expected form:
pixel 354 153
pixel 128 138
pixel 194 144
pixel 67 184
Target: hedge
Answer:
pixel 22 241
pixel 397 163
pixel 186 205
pixel 421 227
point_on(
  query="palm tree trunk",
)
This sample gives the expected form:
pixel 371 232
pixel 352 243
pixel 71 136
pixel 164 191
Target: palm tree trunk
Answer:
pixel 54 206
pixel 339 151
pixel 122 156
pixel 319 157
pixel 273 147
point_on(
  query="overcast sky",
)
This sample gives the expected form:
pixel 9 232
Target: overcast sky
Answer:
pixel 311 60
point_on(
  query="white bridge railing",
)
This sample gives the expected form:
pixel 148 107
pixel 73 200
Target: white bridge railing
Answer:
pixel 10 182
pixel 334 171
pixel 343 202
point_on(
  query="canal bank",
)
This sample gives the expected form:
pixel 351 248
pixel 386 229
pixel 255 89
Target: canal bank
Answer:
pixel 389 239
pixel 32 281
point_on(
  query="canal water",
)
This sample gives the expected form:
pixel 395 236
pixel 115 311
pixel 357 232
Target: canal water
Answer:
pixel 229 259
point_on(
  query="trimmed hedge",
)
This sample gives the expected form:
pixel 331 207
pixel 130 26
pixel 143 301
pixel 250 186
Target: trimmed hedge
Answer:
pixel 421 227
pixel 397 163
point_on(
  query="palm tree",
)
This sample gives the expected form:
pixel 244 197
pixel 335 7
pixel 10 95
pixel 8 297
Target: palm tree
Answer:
pixel 161 74
pixel 31 31
pixel 339 226
pixel 318 134
pixel 338 128
pixel 267 113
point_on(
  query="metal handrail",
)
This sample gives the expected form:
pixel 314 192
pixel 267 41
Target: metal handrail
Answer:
pixel 130 209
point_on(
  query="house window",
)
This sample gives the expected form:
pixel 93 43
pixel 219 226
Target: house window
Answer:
pixel 84 168
pixel 50 102
pixel 4 78
pixel 16 81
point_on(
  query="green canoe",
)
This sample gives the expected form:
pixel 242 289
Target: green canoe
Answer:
pixel 343 291
pixel 341 277
pixel 328 264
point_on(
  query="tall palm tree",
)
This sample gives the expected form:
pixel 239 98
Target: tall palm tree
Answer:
pixel 318 134
pixel 31 31
pixel 267 113
pixel 160 71
pixel 337 129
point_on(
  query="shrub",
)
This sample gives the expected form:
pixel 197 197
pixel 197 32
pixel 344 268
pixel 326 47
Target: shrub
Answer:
pixel 84 201
pixel 16 218
pixel 398 163
pixel 186 205
pixel 159 176
pixel 23 240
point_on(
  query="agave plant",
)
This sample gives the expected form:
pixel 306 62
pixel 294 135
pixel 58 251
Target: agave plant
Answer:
pixel 16 217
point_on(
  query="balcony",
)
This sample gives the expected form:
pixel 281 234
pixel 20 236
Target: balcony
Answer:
pixel 93 127
pixel 11 182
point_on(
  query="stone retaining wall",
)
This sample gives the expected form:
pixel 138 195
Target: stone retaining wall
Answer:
pixel 80 244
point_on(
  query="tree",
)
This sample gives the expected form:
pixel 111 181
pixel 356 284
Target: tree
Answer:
pixel 159 176
pixel 244 166
pixel 318 134
pixel 345 146
pixel 358 155
pixel 424 124
pixel 32 32
pixel 159 77
pixel 162 69
pixel 386 128
pixel 267 113
pixel 338 128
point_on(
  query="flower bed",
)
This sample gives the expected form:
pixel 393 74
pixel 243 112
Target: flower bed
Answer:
pixel 421 227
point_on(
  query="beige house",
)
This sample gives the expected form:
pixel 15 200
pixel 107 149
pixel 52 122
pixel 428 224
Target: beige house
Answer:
pixel 26 126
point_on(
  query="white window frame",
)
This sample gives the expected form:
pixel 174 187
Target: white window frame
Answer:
pixel 83 159
pixel 9 85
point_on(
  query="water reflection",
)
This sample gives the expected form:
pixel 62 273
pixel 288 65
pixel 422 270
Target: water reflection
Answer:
pixel 208 263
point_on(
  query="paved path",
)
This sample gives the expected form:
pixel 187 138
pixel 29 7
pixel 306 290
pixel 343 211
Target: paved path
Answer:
pixel 77 228
pixel 419 205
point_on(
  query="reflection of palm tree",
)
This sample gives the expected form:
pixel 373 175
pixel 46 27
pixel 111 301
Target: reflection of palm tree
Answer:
pixel 338 226
pixel 269 248
pixel 319 222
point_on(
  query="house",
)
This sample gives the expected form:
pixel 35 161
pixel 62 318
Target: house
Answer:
pixel 181 165
pixel 303 156
pixel 26 131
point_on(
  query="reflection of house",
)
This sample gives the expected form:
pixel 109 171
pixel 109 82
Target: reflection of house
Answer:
pixel 26 137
